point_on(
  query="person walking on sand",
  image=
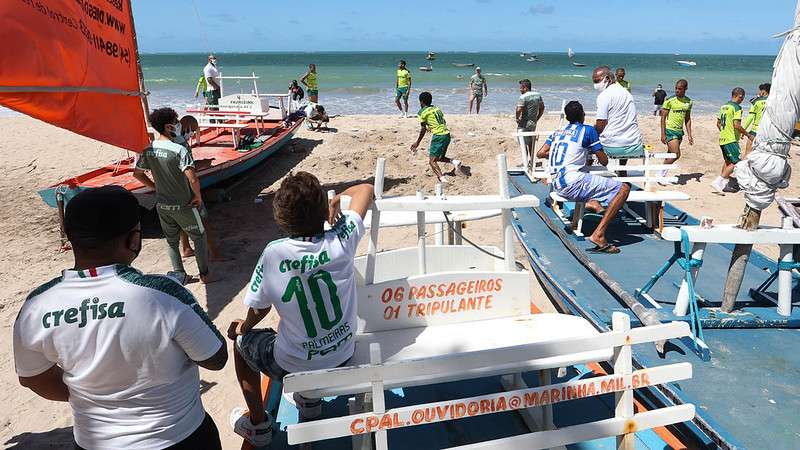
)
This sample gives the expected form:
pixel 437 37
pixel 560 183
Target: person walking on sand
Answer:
pixel 311 263
pixel 309 80
pixel 123 348
pixel 402 88
pixel 431 118
pixel 530 108
pixel 621 79
pixel 477 90
pixel 676 112
pixel 758 105
pixel 729 124
pixel 568 150
pixel 659 95
pixel 178 200
pixel 616 117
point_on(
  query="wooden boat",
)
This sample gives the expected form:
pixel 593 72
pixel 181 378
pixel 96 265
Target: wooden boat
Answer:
pixel 215 157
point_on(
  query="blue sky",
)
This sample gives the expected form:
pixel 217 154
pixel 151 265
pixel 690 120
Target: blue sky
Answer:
pixel 635 26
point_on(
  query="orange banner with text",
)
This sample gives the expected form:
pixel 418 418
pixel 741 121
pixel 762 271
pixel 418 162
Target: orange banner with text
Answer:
pixel 72 63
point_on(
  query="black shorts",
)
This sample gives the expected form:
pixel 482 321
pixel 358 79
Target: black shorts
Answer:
pixel 205 437
pixel 257 348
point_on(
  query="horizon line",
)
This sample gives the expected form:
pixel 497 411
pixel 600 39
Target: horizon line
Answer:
pixel 145 53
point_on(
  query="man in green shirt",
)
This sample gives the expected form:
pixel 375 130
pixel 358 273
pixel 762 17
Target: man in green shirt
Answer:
pixel 431 118
pixel 759 104
pixel 621 78
pixel 729 123
pixel 675 112
pixel 178 201
pixel 477 90
pixel 402 88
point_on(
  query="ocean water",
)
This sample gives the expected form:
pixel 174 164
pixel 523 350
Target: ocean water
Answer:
pixel 363 82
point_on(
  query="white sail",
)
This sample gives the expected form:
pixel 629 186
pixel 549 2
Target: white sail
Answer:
pixel 766 169
pixel 570 53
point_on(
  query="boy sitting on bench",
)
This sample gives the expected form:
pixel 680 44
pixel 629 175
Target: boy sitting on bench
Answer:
pixel 309 278
pixel 568 150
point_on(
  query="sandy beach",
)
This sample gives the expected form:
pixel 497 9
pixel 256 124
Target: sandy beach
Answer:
pixel 36 155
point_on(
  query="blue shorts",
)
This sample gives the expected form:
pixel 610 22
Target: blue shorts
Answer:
pixel 257 348
pixel 631 151
pixel 591 187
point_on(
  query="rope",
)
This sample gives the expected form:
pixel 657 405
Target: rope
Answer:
pixel 688 263
pixel 450 225
pixel 200 23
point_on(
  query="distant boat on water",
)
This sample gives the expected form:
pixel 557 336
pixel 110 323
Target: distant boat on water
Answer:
pixel 429 68
pixel 464 64
pixel 686 63
pixel 570 55
pixel 532 59
pixel 431 56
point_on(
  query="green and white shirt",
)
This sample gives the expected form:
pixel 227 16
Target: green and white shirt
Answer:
pixel 312 284
pixel 729 113
pixel 755 114
pixel 168 161
pixel 677 109
pixel 126 342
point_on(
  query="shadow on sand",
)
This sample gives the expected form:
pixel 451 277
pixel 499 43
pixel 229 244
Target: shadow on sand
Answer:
pixel 55 438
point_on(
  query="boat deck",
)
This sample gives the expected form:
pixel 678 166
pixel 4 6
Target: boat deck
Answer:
pixel 750 389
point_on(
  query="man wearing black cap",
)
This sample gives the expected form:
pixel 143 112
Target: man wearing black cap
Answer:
pixel 120 346
pixel 178 201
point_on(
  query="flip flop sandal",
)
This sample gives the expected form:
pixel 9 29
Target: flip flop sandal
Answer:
pixel 611 249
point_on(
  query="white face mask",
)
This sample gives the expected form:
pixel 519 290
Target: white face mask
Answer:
pixel 601 85
pixel 214 61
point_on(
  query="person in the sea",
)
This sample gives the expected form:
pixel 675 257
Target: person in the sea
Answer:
pixel 568 150
pixel 616 118
pixel 676 113
pixel 729 124
pixel 659 95
pixel 477 90
pixel 211 75
pixel 123 348
pixel 530 108
pixel 402 88
pixel 310 264
pixel 432 119
pixel 311 83
pixel 179 203
pixel 757 107
pixel 621 79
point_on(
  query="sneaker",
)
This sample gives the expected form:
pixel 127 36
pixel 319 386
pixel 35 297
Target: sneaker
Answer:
pixel 733 186
pixel 456 164
pixel 402 115
pixel 258 435
pixel 444 180
pixel 719 185
pixel 309 408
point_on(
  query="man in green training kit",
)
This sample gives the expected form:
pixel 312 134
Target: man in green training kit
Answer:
pixel 675 112
pixel 730 128
pixel 759 104
pixel 620 74
pixel 178 200
pixel 402 88
pixel 431 117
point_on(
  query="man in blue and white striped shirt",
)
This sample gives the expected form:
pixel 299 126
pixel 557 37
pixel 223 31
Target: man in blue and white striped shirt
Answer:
pixel 568 151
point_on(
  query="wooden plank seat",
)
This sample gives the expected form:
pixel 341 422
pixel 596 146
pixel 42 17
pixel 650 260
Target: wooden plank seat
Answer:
pixel 406 350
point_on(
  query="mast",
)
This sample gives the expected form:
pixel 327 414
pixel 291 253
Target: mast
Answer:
pixel 145 105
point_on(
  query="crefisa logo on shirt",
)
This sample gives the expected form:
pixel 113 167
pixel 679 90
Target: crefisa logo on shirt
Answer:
pixel 306 262
pixel 90 309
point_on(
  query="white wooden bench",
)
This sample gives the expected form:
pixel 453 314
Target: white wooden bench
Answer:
pixel 430 315
pixel 654 207
pixel 785 238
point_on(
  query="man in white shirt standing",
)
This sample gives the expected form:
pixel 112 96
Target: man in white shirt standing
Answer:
pixel 120 346
pixel 211 73
pixel 310 279
pixel 616 117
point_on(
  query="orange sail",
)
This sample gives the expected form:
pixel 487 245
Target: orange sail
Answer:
pixel 74 64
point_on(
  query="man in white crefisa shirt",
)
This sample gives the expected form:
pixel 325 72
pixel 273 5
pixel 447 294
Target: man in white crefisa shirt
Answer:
pixel 310 279
pixel 616 117
pixel 120 346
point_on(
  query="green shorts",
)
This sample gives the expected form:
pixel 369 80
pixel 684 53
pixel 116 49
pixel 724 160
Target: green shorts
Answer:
pixel 439 144
pixel 731 152
pixel 674 134
pixel 631 151
pixel 312 92
pixel 401 92
pixel 212 97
